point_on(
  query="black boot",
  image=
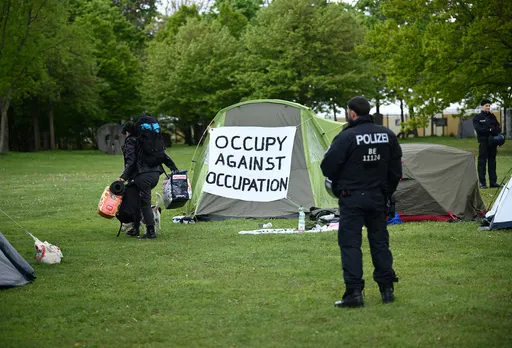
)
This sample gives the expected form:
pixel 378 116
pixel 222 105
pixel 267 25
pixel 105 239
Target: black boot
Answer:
pixel 387 292
pixel 134 232
pixel 351 299
pixel 150 233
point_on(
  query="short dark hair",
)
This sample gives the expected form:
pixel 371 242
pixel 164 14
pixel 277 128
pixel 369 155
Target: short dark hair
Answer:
pixel 359 105
pixel 128 127
pixel 485 101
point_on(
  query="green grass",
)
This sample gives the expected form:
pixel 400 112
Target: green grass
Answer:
pixel 203 285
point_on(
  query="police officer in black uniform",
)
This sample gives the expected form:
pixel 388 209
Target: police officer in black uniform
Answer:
pixel 364 165
pixel 486 125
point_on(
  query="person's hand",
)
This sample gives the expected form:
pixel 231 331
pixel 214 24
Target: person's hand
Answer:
pixel 390 205
pixel 121 179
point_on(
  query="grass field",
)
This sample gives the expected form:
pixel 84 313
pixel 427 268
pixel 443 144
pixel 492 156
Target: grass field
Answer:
pixel 203 285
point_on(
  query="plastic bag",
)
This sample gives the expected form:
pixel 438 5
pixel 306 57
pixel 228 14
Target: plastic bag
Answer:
pixel 176 190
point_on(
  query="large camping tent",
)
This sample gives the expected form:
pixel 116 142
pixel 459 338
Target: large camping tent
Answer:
pixel 500 215
pixel 438 183
pixel 261 159
pixel 14 270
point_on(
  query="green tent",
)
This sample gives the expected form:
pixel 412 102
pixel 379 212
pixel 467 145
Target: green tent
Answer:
pixel 438 183
pixel 261 159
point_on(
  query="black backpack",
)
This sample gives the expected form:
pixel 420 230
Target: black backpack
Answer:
pixel 151 140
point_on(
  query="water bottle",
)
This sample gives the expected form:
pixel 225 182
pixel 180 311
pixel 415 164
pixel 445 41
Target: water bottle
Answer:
pixel 302 220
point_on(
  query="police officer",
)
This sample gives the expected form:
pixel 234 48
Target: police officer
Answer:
pixel 364 165
pixel 486 125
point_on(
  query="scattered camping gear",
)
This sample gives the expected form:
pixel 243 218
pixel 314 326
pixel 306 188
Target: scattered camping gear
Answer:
pixel 317 228
pixel 500 217
pixel 438 183
pixel 45 252
pixel 261 159
pixel 176 190
pixel 14 270
pixel 109 203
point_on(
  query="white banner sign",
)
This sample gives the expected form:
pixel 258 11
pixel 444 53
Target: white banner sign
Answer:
pixel 250 163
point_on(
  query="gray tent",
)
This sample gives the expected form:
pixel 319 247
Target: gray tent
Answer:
pixel 14 270
pixel 439 183
pixel 466 129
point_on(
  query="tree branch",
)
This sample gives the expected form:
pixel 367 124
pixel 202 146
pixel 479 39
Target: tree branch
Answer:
pixel 5 13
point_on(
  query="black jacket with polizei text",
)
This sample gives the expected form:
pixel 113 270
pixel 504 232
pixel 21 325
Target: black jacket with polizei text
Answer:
pixel 486 124
pixel 134 163
pixel 364 156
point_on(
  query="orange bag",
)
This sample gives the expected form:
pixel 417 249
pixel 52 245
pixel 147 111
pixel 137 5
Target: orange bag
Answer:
pixel 109 204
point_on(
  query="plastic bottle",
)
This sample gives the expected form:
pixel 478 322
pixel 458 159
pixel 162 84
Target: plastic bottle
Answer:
pixel 302 220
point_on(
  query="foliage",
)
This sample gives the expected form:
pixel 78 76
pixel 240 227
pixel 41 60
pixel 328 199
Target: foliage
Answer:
pixel 445 51
pixel 177 20
pixel 115 42
pixel 73 65
pixel 302 51
pixel 29 28
pixel 192 76
pixel 139 13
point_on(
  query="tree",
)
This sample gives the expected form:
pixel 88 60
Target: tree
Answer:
pixel 302 51
pixel 171 6
pixel 176 21
pixel 456 50
pixel 27 31
pixel 119 69
pixel 193 75
pixel 138 12
pixel 376 88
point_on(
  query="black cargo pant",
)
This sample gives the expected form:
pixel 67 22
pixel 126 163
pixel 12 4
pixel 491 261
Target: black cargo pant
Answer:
pixel 145 182
pixel 368 208
pixel 487 154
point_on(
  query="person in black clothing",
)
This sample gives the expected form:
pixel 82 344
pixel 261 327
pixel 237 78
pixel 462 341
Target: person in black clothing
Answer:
pixel 486 126
pixel 143 176
pixel 364 165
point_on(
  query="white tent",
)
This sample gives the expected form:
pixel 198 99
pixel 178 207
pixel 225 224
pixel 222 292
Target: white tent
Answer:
pixel 500 215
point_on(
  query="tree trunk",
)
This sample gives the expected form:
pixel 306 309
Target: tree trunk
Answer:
pixel 402 111
pixel 508 123
pixel 52 129
pixel 37 133
pixel 377 106
pixel 4 129
pixel 415 128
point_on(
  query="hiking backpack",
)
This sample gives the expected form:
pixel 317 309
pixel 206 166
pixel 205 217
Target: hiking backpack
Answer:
pixel 150 139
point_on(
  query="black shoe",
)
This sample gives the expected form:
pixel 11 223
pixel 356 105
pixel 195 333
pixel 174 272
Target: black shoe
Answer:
pixel 134 232
pixel 150 233
pixel 495 185
pixel 483 186
pixel 353 299
pixel 387 295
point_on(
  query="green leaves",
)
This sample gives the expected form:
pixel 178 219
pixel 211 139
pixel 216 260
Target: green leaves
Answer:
pixel 193 75
pixel 445 51
pixel 302 51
